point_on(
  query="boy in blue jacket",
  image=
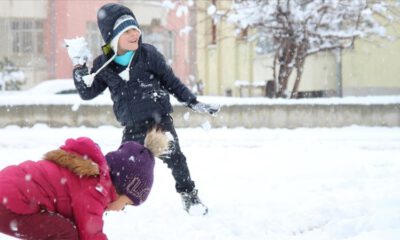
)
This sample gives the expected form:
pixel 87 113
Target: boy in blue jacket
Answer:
pixel 140 82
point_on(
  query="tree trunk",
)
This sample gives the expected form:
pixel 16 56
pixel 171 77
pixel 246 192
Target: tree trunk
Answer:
pixel 285 57
pixel 299 73
pixel 274 72
pixel 299 63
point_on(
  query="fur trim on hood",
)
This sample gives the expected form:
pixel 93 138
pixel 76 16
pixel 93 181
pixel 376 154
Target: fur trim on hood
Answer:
pixel 77 164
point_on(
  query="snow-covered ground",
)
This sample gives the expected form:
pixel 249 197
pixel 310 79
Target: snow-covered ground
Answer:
pixel 261 184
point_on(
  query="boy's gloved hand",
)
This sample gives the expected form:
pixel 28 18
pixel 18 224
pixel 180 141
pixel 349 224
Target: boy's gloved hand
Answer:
pixel 81 73
pixel 77 50
pixel 204 108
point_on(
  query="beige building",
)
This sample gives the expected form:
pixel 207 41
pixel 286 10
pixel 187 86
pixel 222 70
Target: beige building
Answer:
pixel 372 68
pixel 222 58
pixel 229 65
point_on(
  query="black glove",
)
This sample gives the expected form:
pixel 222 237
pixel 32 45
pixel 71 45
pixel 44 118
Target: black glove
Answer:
pixel 204 108
pixel 81 73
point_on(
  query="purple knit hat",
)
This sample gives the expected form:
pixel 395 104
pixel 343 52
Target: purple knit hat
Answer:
pixel 131 170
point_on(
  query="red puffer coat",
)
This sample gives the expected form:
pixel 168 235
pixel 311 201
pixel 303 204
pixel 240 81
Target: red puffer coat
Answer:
pixel 73 181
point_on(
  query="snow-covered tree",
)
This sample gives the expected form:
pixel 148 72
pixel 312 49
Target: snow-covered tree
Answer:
pixel 296 29
pixel 11 77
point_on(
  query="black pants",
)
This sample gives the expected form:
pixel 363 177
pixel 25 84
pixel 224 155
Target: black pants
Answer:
pixel 175 160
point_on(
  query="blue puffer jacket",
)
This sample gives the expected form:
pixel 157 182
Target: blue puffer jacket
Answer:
pixel 145 97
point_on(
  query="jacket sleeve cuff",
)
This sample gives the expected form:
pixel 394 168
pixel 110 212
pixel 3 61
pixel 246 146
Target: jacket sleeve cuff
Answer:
pixel 193 102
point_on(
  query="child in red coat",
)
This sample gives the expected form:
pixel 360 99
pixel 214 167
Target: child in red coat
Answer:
pixel 65 195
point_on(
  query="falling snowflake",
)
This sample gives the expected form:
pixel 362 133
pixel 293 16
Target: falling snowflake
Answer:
pixel 28 177
pixel 63 180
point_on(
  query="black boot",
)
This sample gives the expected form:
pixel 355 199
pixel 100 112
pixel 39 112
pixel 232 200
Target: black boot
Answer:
pixel 192 203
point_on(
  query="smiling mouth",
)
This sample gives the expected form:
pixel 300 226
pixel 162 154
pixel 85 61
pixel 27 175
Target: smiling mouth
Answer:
pixel 134 41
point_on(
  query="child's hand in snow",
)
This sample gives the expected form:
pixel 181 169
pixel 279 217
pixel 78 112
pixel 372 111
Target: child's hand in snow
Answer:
pixel 77 50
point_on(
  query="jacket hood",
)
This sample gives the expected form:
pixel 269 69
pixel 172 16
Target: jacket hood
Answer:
pixel 107 15
pixel 81 155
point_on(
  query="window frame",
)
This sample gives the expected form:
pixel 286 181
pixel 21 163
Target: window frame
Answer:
pixel 27 36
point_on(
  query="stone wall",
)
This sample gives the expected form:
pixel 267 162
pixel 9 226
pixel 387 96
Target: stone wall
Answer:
pixel 249 116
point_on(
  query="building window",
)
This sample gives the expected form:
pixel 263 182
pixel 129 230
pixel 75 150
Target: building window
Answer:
pixel 163 41
pixel 160 37
pixel 94 39
pixel 27 36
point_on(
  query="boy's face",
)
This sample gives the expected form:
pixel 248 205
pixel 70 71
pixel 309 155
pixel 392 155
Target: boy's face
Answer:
pixel 128 41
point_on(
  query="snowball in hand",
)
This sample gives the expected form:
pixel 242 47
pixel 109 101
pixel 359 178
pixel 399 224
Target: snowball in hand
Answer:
pixel 77 50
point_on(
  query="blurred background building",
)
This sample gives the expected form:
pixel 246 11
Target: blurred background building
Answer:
pixel 33 32
pixel 211 58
